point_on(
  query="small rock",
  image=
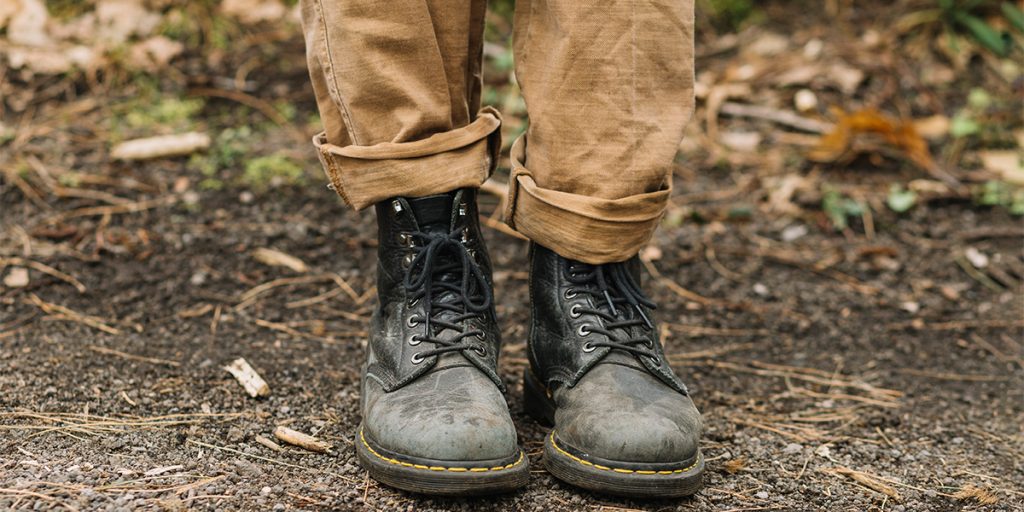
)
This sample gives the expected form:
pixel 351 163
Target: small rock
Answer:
pixel 793 232
pixel 911 307
pixel 805 100
pixel 793 448
pixel 976 257
pixel 16 278
pixel 761 289
pixel 763 495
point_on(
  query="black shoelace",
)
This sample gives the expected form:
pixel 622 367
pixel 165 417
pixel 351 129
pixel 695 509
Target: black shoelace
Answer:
pixel 454 289
pixel 620 304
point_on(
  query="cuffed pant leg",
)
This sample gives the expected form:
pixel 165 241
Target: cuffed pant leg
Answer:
pixel 609 89
pixel 397 83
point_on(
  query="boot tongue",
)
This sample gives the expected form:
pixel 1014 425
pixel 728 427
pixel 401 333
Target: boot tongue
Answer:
pixel 433 213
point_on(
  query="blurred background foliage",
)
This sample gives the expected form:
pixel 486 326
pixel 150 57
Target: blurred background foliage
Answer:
pixel 924 89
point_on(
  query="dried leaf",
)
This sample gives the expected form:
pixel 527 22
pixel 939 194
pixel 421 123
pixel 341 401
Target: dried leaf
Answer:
pixel 253 11
pixel 27 26
pixel 1008 164
pixel 979 494
pixel 900 134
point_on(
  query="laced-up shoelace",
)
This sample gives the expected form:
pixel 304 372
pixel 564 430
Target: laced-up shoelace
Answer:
pixel 445 276
pixel 620 303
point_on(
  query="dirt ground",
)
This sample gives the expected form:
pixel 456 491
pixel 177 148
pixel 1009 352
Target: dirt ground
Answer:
pixel 876 366
pixel 820 389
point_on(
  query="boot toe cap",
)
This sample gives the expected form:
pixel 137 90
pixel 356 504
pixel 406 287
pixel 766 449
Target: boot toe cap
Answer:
pixel 450 415
pixel 632 418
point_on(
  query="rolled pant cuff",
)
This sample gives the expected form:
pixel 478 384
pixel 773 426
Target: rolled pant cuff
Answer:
pixel 460 158
pixel 588 229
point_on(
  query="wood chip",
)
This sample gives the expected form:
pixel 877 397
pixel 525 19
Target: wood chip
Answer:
pixel 277 258
pixel 162 470
pixel 248 378
pixel 301 440
pixel 161 147
pixel 268 443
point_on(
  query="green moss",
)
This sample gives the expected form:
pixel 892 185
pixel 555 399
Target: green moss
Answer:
pixel 264 172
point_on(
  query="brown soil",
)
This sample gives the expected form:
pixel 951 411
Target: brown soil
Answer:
pixel 874 368
pixel 789 365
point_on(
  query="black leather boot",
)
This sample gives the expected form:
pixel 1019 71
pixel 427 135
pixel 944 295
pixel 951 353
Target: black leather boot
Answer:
pixel 434 417
pixel 623 421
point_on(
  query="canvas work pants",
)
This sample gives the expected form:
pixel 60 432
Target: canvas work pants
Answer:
pixel 608 86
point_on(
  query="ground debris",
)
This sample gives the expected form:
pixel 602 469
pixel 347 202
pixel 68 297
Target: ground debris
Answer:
pixel 248 378
pixel 980 495
pixel 301 440
pixel 162 146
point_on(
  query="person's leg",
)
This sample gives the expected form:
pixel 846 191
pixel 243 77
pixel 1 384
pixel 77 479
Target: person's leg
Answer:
pixel 397 83
pixel 398 87
pixel 608 88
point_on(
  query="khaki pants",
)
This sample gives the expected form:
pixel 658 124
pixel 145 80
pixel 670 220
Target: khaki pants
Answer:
pixel 608 86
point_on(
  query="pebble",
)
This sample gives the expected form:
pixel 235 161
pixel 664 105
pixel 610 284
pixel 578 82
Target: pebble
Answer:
pixel 763 495
pixel 793 448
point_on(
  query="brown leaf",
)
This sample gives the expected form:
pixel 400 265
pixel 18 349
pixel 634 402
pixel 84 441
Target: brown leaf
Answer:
pixel 899 134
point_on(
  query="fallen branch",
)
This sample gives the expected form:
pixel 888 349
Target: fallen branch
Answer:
pixel 301 440
pixel 783 117
pixel 64 313
pixel 133 357
pixel 46 269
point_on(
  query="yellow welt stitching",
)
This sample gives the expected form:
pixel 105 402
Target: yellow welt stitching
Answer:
pixel 621 470
pixel 362 438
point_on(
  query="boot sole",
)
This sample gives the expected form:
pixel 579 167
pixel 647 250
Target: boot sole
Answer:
pixel 440 478
pixel 629 479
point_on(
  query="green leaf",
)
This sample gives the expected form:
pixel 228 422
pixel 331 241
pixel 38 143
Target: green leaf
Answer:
pixel 984 33
pixel 1014 15
pixel 991 193
pixel 962 126
pixel 979 99
pixel 1017 203
pixel 900 200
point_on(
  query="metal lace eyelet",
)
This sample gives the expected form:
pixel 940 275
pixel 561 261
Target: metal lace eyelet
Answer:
pixel 480 335
pixel 481 351
pixel 412 321
pixel 407 260
pixel 465 235
pixel 462 209
pixel 569 293
pixel 656 361
pixel 417 358
pixel 589 347
pixel 574 311
pixel 583 330
pixel 405 240
pixel 397 206
pixel 415 340
pixel 649 343
pixel 412 303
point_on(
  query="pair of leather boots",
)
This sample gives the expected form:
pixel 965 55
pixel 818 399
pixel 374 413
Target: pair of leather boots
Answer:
pixel 435 419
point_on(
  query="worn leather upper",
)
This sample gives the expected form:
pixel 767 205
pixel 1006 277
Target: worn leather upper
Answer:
pixel 443 406
pixel 616 404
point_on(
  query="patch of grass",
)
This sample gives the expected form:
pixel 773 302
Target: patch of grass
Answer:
pixel 730 15
pixel 839 208
pixel 265 172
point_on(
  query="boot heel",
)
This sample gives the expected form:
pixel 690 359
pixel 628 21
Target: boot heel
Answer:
pixel 536 402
